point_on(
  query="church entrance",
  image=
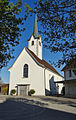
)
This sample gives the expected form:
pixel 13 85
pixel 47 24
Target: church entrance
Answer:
pixel 23 90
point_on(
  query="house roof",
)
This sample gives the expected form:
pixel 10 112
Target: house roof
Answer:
pixel 43 62
pixel 3 85
pixel 62 81
pixel 66 81
pixel 70 64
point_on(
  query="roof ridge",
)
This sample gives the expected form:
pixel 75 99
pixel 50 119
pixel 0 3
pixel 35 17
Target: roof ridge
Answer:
pixel 43 62
pixel 71 64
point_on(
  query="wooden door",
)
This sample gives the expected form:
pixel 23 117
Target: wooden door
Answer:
pixel 23 90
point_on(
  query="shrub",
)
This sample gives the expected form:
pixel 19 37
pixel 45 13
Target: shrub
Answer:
pixel 13 91
pixel 32 91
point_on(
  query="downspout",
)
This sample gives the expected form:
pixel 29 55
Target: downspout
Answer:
pixel 45 80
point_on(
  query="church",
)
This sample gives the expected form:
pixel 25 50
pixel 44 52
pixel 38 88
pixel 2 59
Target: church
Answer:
pixel 30 71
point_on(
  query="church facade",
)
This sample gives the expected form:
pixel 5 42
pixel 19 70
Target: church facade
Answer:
pixel 30 71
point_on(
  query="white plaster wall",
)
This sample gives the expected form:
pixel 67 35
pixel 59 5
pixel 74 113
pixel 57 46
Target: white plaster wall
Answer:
pixel 36 48
pixel 67 75
pixel 33 47
pixel 35 74
pixel 40 49
pixel 50 78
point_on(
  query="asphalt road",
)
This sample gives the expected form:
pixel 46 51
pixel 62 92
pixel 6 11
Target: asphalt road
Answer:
pixel 16 108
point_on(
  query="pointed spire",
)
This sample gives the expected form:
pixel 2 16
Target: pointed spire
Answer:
pixel 35 32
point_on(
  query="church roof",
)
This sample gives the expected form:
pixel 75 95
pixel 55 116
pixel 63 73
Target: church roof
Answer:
pixel 43 62
pixel 70 64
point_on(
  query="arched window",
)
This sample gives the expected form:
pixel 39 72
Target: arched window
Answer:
pixel 32 42
pixel 25 72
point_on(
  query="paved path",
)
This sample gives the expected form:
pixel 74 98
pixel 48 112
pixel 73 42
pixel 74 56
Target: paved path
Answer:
pixel 37 108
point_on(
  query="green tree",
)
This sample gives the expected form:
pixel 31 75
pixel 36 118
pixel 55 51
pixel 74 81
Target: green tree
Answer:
pixel 9 29
pixel 58 18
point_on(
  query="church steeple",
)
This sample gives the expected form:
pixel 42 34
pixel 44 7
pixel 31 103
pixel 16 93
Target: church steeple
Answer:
pixel 35 32
pixel 35 42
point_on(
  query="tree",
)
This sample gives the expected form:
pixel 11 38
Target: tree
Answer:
pixel 58 18
pixel 9 29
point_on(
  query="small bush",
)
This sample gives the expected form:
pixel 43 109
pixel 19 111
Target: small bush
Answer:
pixel 32 91
pixel 13 91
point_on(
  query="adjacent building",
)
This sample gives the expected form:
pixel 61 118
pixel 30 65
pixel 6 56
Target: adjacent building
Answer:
pixel 70 78
pixel 4 88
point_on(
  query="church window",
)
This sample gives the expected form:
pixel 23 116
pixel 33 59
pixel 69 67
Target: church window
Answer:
pixel 25 72
pixel 32 42
pixel 39 43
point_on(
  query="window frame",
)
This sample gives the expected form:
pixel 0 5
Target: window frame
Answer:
pixel 25 71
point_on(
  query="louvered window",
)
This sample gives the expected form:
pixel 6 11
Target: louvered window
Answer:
pixel 32 42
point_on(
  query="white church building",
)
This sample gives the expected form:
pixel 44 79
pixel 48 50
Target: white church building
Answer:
pixel 30 71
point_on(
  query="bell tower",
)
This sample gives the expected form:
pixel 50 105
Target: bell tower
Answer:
pixel 35 42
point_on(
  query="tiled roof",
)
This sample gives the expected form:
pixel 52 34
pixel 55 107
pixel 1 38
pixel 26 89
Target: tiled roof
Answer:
pixel 70 64
pixel 43 62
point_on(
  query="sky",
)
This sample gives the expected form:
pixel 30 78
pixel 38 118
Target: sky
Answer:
pixel 29 24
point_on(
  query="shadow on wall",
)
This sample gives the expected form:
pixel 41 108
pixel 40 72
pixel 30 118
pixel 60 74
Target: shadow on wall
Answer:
pixel 53 88
pixel 47 92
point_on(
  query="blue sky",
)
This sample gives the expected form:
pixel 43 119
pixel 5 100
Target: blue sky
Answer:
pixel 29 24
